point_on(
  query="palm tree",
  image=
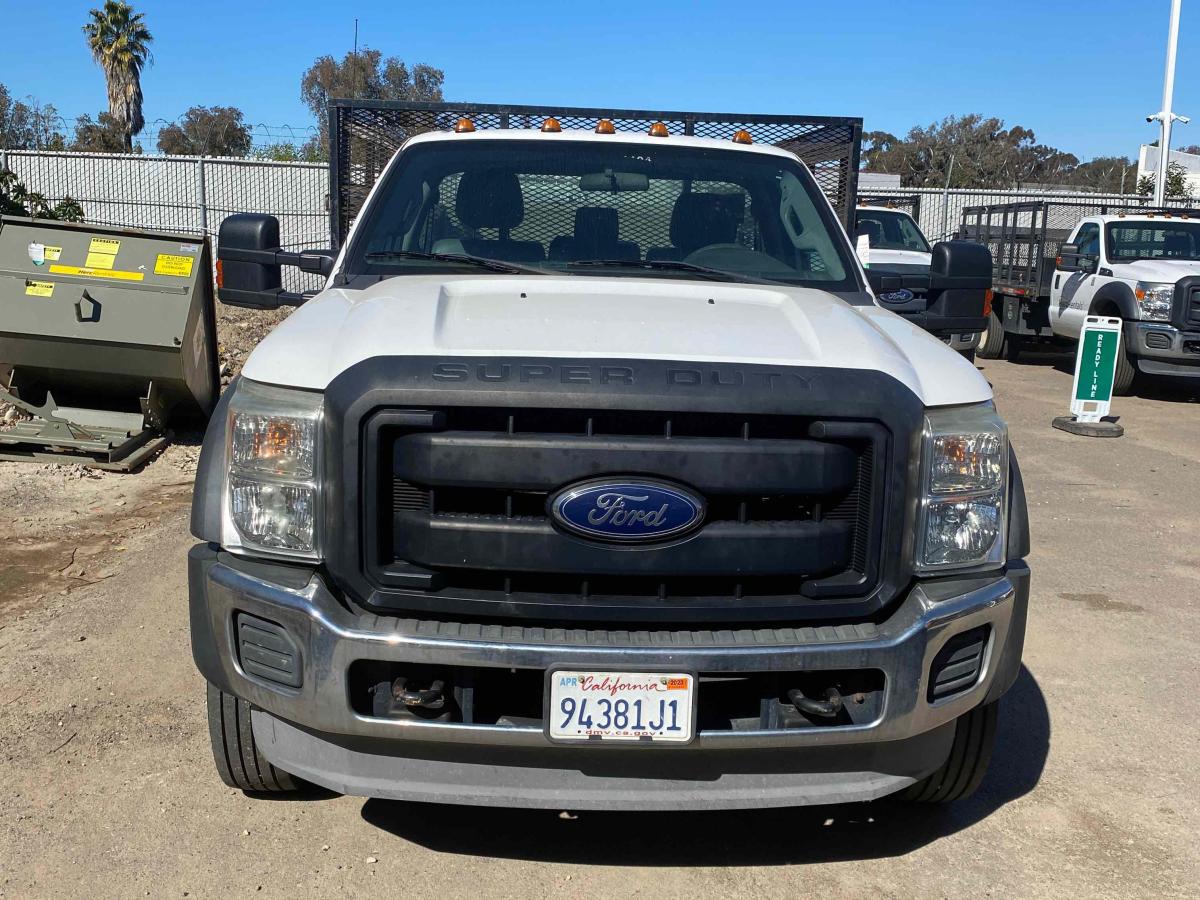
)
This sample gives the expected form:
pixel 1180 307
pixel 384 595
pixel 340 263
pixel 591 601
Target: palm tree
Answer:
pixel 120 45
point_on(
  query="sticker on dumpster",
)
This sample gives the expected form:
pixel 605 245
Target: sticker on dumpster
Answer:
pixel 88 272
pixel 107 246
pixel 39 288
pixel 99 261
pixel 1095 368
pixel 53 253
pixel 169 264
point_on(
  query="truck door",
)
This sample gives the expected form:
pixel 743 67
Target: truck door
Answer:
pixel 1071 292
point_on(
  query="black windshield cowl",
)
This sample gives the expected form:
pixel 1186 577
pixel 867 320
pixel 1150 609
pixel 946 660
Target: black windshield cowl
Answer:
pixel 666 265
pixel 492 265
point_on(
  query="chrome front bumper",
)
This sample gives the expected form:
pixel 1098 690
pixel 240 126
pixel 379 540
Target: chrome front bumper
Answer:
pixel 1162 349
pixel 331 637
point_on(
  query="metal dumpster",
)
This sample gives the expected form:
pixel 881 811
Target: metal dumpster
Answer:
pixel 107 335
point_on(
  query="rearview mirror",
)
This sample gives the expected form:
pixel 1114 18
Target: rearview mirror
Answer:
pixel 614 182
pixel 249 262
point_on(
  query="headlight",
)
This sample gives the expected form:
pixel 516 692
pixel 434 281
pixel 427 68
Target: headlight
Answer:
pixel 962 519
pixel 273 495
pixel 1154 299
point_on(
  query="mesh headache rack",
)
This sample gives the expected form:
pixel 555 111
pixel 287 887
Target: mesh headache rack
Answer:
pixel 365 134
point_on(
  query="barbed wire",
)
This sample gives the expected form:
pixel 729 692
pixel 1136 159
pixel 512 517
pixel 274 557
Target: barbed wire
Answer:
pixel 50 127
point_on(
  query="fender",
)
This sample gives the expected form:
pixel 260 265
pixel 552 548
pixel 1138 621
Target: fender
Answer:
pixel 1119 294
pixel 208 494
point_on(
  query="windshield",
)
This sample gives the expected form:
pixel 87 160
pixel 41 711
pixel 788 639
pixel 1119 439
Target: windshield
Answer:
pixel 1129 241
pixel 587 208
pixel 889 230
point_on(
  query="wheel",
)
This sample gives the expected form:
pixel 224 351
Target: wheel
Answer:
pixel 964 768
pixel 1125 373
pixel 993 342
pixel 239 763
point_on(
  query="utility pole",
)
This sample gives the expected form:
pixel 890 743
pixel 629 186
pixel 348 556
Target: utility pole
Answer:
pixel 1165 116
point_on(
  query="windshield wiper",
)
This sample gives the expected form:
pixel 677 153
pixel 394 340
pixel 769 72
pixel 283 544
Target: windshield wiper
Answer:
pixel 667 265
pixel 494 265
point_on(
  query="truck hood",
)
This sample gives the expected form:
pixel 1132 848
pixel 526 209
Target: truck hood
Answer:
pixel 582 317
pixel 885 258
pixel 1164 270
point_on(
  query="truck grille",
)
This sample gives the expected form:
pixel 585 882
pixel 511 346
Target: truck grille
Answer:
pixel 459 497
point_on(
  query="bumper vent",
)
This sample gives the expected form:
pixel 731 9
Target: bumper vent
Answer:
pixel 1158 340
pixel 267 651
pixel 957 665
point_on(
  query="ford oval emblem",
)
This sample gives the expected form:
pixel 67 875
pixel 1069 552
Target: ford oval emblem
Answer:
pixel 626 510
pixel 899 296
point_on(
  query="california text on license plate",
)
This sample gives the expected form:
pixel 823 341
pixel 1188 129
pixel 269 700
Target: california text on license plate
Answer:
pixel 621 706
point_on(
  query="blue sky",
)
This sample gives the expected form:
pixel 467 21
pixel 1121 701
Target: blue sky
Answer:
pixel 1082 76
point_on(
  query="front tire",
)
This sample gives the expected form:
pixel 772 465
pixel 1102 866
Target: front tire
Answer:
pixel 239 762
pixel 993 342
pixel 960 775
pixel 1125 373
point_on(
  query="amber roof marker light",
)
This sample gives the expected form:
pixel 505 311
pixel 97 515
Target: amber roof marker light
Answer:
pixel 464 126
pixel 658 129
pixel 605 126
pixel 742 136
pixel 551 124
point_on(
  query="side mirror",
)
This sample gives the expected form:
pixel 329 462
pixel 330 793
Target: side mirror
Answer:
pixel 1069 259
pixel 249 262
pixel 960 265
pixel 960 276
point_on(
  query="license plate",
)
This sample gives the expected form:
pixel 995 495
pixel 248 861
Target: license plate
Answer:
pixel 621 706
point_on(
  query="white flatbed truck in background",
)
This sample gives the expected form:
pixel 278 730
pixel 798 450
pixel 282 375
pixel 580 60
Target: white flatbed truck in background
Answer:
pixel 1057 263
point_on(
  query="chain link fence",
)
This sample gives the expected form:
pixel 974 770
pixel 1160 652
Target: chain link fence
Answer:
pixel 184 193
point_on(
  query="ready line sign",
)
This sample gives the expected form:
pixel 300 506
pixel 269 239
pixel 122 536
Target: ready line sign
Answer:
pixel 1095 367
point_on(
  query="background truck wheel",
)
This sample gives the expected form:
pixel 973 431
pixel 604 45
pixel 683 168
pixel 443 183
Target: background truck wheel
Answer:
pixel 993 342
pixel 1125 373
pixel 239 763
pixel 964 768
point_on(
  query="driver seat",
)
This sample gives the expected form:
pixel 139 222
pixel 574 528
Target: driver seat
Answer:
pixel 698 220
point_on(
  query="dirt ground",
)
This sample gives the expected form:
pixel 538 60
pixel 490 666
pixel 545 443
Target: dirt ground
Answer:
pixel 107 785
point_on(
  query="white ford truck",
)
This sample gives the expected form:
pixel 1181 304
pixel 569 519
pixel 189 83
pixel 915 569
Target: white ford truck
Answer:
pixel 1057 263
pixel 521 510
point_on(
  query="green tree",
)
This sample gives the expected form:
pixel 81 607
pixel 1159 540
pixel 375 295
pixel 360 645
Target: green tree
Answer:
pixel 207 131
pixel 18 200
pixel 984 152
pixel 286 151
pixel 1177 183
pixel 100 135
pixel 120 45
pixel 28 126
pixel 365 75
pixel 1106 174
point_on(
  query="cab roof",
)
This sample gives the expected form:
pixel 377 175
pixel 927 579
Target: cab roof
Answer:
pixel 621 137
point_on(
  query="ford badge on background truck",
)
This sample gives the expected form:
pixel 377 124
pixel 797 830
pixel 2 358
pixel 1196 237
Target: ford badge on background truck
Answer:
pixel 595 477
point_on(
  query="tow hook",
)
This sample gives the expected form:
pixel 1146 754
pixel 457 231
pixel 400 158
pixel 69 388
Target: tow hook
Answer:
pixel 827 708
pixel 432 697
